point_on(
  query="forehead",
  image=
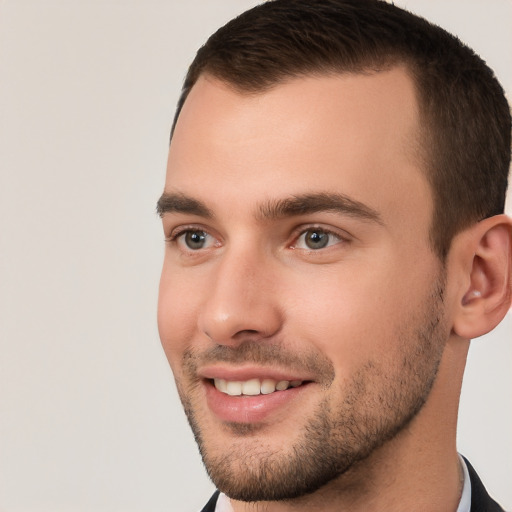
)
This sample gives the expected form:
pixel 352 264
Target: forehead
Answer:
pixel 354 134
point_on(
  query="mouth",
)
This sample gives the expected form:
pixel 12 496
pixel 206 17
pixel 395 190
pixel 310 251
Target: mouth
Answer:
pixel 239 396
pixel 254 387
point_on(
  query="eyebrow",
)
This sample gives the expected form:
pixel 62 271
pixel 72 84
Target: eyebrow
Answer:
pixel 319 202
pixel 294 206
pixel 180 203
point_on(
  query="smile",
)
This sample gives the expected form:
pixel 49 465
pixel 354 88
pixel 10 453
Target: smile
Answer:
pixel 253 387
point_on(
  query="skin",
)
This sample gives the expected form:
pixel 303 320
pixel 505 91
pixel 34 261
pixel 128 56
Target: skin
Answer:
pixel 346 317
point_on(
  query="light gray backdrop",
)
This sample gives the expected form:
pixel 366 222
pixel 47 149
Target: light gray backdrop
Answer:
pixel 89 419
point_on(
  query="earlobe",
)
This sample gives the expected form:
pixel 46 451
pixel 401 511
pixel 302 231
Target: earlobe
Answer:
pixel 487 292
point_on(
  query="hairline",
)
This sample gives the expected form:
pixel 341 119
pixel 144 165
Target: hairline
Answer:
pixel 420 146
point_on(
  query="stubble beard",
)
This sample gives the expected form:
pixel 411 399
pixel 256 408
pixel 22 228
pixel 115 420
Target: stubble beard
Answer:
pixel 377 404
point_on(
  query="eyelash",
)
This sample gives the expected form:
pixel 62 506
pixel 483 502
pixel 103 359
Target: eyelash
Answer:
pixel 175 234
pixel 300 232
pixel 303 230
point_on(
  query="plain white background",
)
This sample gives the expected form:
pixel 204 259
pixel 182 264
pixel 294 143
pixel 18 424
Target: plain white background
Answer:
pixel 89 418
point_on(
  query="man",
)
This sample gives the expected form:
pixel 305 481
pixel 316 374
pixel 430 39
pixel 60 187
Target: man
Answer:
pixel 333 210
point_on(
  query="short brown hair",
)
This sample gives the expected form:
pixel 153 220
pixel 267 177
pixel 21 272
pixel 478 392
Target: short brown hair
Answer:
pixel 465 117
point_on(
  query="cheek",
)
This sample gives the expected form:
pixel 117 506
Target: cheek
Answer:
pixel 352 317
pixel 176 317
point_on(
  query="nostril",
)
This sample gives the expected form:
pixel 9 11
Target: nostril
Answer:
pixel 248 335
pixel 250 332
pixel 232 322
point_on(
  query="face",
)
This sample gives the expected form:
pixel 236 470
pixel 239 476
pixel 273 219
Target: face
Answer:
pixel 300 302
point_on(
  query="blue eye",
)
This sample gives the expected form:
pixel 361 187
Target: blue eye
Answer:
pixel 316 238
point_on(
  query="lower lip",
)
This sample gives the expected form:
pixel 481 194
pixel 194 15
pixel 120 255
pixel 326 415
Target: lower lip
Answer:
pixel 249 409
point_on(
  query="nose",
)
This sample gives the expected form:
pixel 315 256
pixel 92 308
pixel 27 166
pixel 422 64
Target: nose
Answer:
pixel 241 303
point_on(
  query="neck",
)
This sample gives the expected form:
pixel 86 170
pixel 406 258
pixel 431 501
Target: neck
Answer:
pixel 417 470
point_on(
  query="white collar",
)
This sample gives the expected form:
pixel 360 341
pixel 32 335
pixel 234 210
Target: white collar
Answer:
pixel 465 499
pixel 224 505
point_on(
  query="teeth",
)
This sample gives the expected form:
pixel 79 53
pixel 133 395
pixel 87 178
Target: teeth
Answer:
pixel 251 387
pixel 282 385
pixel 234 388
pixel 220 384
pixel 254 387
pixel 268 386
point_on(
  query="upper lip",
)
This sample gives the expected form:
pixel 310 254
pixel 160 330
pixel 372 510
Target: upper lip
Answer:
pixel 245 373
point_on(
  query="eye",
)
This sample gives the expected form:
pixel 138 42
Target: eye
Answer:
pixel 316 238
pixel 193 239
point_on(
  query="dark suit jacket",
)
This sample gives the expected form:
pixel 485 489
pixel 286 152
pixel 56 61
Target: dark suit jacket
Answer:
pixel 480 500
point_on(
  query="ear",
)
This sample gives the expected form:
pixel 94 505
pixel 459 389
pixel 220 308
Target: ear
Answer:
pixel 485 294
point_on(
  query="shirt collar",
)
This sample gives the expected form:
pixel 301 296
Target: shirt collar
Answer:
pixel 465 499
